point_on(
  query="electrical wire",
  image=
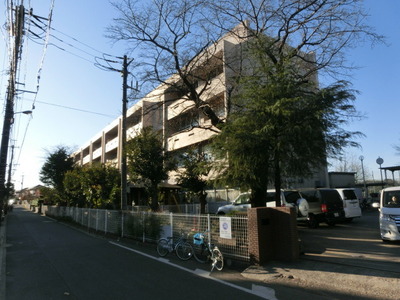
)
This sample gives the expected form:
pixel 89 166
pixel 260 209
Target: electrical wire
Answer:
pixel 40 32
pixel 94 58
pixel 50 17
pixel 76 109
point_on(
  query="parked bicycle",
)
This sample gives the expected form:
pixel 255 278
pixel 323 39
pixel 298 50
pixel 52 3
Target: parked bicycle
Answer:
pixel 204 251
pixel 182 248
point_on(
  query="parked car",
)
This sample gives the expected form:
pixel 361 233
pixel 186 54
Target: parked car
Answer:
pixel 374 200
pixel 351 203
pixel 325 205
pixel 389 214
pixel 290 198
pixel 240 203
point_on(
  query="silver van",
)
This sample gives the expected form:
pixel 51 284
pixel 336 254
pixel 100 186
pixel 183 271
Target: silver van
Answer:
pixel 351 203
pixel 389 214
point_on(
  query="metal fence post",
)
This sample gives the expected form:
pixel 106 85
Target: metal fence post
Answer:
pixel 122 224
pixel 171 221
pixel 144 229
pixel 209 227
pixel 105 221
pixel 97 219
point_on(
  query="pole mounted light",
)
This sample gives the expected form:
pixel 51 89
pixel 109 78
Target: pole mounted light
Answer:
pixel 363 175
pixel 379 161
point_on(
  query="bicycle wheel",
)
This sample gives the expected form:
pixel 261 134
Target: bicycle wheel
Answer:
pixel 184 250
pixel 218 259
pixel 162 247
pixel 201 253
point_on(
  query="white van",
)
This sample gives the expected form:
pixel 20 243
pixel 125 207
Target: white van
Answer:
pixel 351 203
pixel 389 213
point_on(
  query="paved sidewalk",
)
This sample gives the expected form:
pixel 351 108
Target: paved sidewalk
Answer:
pixel 351 278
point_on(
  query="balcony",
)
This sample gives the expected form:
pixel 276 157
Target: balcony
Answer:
pixel 187 138
pixel 86 160
pixel 112 144
pixel 133 131
pixel 96 153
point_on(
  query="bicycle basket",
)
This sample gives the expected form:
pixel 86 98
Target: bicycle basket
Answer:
pixel 198 239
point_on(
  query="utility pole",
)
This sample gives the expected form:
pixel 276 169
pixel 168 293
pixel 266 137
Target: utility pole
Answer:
pixel 10 169
pixel 123 129
pixel 123 140
pixel 17 30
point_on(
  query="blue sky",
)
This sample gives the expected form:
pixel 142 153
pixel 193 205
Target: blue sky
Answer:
pixel 76 99
pixel 378 80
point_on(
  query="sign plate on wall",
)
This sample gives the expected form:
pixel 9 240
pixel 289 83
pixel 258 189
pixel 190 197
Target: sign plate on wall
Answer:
pixel 225 228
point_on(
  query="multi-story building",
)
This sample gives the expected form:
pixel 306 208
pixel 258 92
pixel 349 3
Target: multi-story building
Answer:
pixel 168 110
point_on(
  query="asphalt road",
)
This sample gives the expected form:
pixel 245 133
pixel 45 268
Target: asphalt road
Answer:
pixel 49 260
pixel 359 239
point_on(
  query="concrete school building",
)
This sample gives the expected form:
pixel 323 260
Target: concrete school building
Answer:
pixel 181 124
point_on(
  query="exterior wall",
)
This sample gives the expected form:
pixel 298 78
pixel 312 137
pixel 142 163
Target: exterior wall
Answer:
pixel 181 124
pixel 342 179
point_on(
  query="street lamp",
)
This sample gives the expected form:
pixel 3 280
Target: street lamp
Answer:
pixel 363 174
pixel 379 161
pixel 25 112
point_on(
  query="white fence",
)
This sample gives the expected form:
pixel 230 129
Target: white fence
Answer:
pixel 232 239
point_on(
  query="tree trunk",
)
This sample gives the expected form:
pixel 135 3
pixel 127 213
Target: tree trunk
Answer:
pixel 203 201
pixel 277 181
pixel 258 197
pixel 154 199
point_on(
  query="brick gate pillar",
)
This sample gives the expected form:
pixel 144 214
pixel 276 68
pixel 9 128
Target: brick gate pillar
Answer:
pixel 272 234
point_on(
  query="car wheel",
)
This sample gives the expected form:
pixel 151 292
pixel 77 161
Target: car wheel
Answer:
pixel 331 223
pixel 312 222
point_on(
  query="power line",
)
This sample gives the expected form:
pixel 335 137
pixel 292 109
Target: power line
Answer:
pixel 94 58
pixel 73 108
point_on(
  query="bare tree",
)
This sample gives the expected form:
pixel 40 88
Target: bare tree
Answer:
pixel 351 163
pixel 174 42
pixel 323 29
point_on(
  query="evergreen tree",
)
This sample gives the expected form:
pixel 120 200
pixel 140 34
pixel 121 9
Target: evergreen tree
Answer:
pixel 281 125
pixel 196 167
pixel 147 162
pixel 56 165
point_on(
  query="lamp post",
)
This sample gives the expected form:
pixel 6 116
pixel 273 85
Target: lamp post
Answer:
pixel 363 174
pixel 379 161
